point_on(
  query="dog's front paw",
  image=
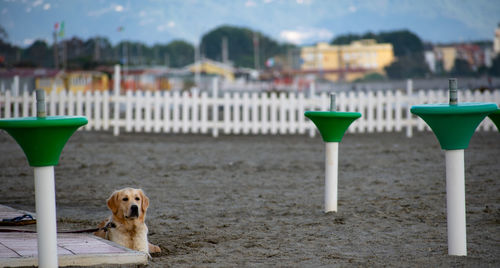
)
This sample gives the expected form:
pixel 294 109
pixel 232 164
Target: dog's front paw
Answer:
pixel 154 249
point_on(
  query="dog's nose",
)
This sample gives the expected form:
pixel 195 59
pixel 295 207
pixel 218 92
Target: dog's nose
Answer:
pixel 134 211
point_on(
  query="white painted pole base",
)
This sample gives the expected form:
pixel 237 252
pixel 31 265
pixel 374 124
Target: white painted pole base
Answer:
pixel 331 175
pixel 46 227
pixel 455 202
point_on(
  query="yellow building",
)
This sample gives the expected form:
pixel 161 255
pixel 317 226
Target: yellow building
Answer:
pixel 496 41
pixel 49 83
pixel 211 67
pixel 447 55
pixel 87 80
pixel 74 81
pixel 347 62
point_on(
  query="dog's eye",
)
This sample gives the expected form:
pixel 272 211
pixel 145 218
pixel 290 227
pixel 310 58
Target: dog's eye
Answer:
pixel 137 198
pixel 125 199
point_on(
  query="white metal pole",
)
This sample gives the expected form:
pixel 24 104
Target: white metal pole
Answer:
pixel 116 99
pixel 331 175
pixel 46 227
pixel 455 202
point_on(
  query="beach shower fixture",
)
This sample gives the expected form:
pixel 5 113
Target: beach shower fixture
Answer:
pixel 331 125
pixel 42 139
pixel 454 124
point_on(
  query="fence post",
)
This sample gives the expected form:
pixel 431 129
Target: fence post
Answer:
pixel 409 102
pixel 116 96
pixel 15 95
pixel 312 90
pixel 312 94
pixel 215 107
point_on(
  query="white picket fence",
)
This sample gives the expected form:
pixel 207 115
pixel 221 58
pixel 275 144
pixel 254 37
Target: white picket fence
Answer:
pixel 237 113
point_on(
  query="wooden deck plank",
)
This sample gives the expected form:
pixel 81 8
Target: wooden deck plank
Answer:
pixel 20 249
pixel 6 252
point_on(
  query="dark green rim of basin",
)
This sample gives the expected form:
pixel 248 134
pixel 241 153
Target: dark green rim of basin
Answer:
pixel 49 121
pixel 454 125
pixel 495 117
pixel 42 139
pixel 461 108
pixel 332 125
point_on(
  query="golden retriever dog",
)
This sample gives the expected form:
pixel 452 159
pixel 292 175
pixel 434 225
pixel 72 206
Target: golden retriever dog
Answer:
pixel 126 225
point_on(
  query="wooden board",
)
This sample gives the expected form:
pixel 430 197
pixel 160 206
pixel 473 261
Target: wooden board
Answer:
pixel 20 249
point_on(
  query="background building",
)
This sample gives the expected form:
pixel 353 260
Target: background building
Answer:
pixel 496 41
pixel 347 62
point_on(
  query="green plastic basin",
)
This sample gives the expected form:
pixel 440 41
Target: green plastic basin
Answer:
pixel 332 125
pixel 42 139
pixel 454 125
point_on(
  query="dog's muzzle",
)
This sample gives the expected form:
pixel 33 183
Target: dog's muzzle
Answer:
pixel 134 211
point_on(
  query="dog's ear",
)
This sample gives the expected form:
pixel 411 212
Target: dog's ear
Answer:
pixel 113 202
pixel 144 202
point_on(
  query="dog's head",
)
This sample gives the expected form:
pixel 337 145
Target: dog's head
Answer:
pixel 128 204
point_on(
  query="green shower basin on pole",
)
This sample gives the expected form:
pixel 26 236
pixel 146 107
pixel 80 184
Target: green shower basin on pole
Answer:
pixel 495 117
pixel 454 124
pixel 332 126
pixel 42 139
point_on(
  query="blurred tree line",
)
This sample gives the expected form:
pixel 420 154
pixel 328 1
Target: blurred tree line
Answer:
pixel 240 44
pixel 87 54
pixel 93 52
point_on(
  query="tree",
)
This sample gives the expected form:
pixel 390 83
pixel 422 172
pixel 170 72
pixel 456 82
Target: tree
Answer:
pixel 371 77
pixel 9 54
pixel 38 53
pixel 240 45
pixel 350 37
pixel 461 68
pixel 410 66
pixel 404 42
pixel 3 33
pixel 495 67
pixel 181 53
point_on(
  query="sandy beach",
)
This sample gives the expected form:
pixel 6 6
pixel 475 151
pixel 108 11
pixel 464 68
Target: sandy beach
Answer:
pixel 239 201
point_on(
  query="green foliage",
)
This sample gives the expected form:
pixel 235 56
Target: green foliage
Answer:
pixel 408 49
pixel 461 68
pixel 3 33
pixel 410 66
pixel 346 39
pixel 180 53
pixel 240 45
pixel 404 42
pixel 495 67
pixel 10 53
pixel 371 77
pixel 38 53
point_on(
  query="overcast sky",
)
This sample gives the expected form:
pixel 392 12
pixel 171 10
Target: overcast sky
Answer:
pixel 297 21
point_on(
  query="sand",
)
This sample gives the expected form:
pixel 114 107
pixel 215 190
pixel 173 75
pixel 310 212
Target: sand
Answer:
pixel 258 200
